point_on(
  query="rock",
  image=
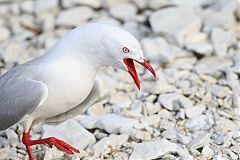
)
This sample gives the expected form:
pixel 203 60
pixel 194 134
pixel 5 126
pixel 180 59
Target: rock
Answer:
pixel 151 120
pixel 136 107
pixel 194 4
pixel 219 139
pixel 118 98
pixel 207 152
pixel 5 153
pixel 107 19
pixel 199 141
pixel 209 65
pixel 152 108
pixel 185 63
pixel 183 138
pixel 142 4
pixel 232 79
pixel 151 98
pixel 141 136
pixel 211 16
pixel 107 144
pixel 199 122
pixel 171 25
pixel 5 33
pixel 70 16
pixel 198 43
pixel 12 137
pixel 169 134
pixel 219 91
pixel 196 38
pixel 194 111
pixel 225 125
pixel 53 153
pixel 100 135
pixel 110 3
pixel 4 142
pixel 157 50
pixel 152 149
pixel 174 101
pixel 218 157
pixel 97 109
pixel 200 48
pixel 111 123
pixel 159 88
pixel 119 11
pixel 232 155
pixel 71 132
pixel 91 3
pixel 41 6
pixel 187 157
pixel 236 135
pixel 236 59
pixel 236 148
pixel 121 155
pixel 27 6
pixel 222 40
pixel 155 4
pixel 136 29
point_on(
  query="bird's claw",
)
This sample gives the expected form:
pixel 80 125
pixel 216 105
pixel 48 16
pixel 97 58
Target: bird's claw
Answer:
pixel 61 145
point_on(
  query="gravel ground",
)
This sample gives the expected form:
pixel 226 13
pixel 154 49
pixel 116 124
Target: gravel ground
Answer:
pixel 191 111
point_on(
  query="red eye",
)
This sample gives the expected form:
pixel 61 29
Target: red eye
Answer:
pixel 125 50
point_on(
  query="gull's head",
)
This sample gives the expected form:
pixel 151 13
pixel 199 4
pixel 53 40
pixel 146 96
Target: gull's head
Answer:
pixel 123 50
pixel 111 46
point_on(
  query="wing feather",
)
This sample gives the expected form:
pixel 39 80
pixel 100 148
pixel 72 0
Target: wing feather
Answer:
pixel 19 97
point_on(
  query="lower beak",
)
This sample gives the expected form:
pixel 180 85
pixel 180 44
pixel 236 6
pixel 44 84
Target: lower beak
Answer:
pixel 132 70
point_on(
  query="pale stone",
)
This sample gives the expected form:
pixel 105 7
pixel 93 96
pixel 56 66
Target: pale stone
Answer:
pixel 226 125
pixel 222 40
pixel 111 123
pixel 171 25
pixel 124 11
pixel 71 132
pixel 199 122
pixel 107 144
pixel 199 141
pixel 194 111
pixel 209 65
pixel 90 3
pixel 158 50
pixel 70 17
pixel 27 6
pixel 174 101
pixel 152 149
pixel 41 6
pixel 5 33
pixel 207 152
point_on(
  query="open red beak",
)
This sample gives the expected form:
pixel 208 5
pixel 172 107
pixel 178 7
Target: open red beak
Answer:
pixel 132 70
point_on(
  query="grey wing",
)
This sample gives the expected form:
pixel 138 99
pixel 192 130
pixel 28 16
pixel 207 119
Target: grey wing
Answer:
pixel 19 97
pixel 93 97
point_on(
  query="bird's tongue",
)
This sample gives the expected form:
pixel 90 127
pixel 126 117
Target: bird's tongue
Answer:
pixel 132 70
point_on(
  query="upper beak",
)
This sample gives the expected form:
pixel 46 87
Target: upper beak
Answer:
pixel 132 70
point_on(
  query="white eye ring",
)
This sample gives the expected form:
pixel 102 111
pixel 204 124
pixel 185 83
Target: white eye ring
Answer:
pixel 125 50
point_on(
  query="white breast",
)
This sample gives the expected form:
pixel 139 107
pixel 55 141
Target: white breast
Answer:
pixel 68 86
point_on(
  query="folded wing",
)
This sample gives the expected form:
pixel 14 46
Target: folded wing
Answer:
pixel 19 97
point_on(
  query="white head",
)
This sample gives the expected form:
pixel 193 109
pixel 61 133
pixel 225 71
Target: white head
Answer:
pixel 114 46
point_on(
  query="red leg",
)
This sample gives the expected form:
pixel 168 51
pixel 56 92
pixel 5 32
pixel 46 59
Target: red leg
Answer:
pixel 26 142
pixel 51 141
